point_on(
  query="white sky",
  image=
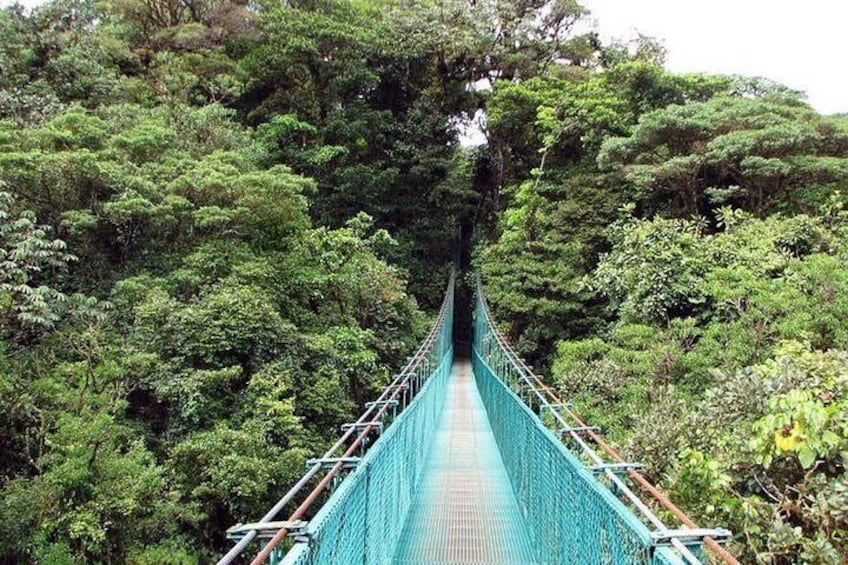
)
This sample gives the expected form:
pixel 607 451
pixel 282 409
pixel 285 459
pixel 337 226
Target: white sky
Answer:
pixel 803 45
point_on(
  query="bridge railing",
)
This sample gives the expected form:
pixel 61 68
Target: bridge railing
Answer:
pixel 578 495
pixel 372 470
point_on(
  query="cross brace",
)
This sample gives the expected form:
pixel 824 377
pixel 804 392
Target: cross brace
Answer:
pixel 266 530
pixel 579 429
pixel 327 462
pixel 615 467
pixel 393 402
pixel 361 426
pixel 689 535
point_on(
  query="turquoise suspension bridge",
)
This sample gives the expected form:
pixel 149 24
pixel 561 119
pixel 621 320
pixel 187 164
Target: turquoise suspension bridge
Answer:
pixel 473 462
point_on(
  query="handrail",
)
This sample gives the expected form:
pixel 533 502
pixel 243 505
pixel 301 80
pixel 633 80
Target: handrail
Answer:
pixel 370 420
pixel 549 398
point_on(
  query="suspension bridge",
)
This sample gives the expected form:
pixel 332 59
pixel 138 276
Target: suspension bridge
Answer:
pixel 473 461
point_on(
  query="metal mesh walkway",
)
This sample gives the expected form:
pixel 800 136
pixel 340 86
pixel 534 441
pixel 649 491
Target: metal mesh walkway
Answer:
pixel 464 511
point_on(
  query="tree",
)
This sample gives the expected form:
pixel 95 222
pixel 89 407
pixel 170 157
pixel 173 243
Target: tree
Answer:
pixel 763 155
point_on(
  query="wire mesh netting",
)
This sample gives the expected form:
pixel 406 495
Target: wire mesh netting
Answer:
pixel 361 522
pixel 572 517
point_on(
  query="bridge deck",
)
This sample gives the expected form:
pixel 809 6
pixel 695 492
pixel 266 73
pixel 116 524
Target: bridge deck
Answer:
pixel 465 511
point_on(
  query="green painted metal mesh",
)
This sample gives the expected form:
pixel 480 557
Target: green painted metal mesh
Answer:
pixel 572 517
pixel 362 520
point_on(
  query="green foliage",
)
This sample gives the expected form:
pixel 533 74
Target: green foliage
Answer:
pixel 653 270
pixel 28 256
pixel 545 136
pixel 764 155
pixel 98 490
pixel 240 336
pixel 534 272
pixel 360 97
pixel 673 234
pixel 236 469
pixel 808 424
pixel 698 378
pixel 227 176
pixel 149 181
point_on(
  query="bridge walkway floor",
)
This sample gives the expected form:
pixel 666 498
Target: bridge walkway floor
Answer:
pixel 465 512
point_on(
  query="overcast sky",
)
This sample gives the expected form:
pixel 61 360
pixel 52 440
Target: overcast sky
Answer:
pixel 803 45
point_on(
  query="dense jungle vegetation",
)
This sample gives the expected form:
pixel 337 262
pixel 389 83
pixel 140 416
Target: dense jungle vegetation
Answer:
pixel 224 223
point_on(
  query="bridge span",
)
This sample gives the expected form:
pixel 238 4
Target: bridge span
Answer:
pixel 462 462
